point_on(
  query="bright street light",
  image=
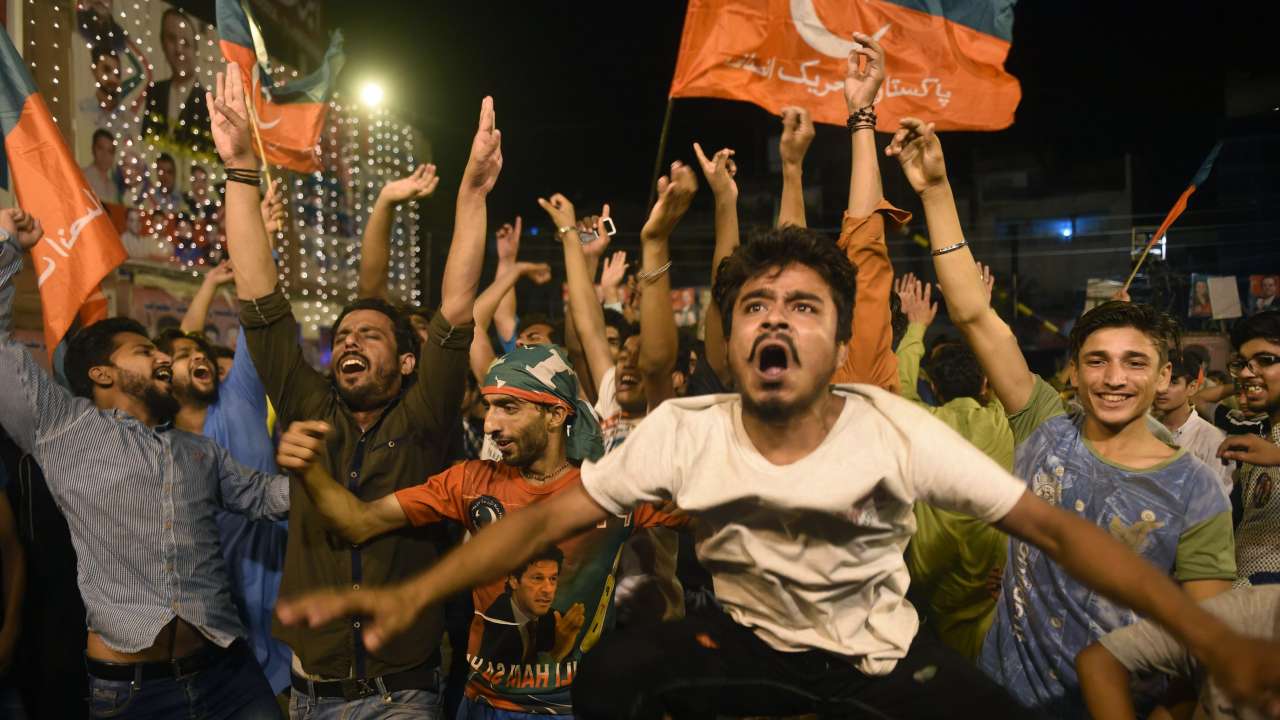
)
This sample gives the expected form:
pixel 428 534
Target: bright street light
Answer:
pixel 371 94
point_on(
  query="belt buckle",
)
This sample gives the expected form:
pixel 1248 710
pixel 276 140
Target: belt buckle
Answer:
pixel 359 688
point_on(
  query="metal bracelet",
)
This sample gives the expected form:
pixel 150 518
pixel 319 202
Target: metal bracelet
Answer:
pixel 649 277
pixel 950 248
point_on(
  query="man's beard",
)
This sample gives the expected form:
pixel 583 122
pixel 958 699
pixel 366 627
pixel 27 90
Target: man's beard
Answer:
pixel 162 405
pixel 371 396
pixel 529 448
pixel 189 394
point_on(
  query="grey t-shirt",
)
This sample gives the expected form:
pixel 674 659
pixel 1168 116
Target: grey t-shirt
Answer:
pixel 1145 648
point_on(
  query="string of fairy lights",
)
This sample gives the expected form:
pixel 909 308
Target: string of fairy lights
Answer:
pixel 318 251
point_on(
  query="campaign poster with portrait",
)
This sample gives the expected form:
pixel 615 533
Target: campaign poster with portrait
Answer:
pixel 1262 293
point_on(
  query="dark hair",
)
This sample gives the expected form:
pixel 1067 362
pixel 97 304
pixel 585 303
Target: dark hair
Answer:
pixel 102 50
pixel 956 373
pixel 778 249
pixel 165 340
pixel 166 157
pixel 1186 364
pixel 898 321
pixel 1157 325
pixel 1265 325
pixel 102 133
pixel 550 552
pixel 406 338
pixel 618 321
pixel 685 345
pixel 92 347
pixel 528 321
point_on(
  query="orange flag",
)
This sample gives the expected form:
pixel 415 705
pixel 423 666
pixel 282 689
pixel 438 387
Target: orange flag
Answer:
pixel 945 68
pixel 80 245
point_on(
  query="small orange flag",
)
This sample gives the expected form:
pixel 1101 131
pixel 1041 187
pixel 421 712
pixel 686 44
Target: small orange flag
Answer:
pixel 945 68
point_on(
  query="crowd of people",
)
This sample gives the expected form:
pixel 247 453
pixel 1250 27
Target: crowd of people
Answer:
pixel 477 514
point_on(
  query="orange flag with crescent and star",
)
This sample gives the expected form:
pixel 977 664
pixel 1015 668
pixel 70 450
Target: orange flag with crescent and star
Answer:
pixel 943 64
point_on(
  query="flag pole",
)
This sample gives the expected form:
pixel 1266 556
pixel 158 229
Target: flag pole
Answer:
pixel 252 107
pixel 662 149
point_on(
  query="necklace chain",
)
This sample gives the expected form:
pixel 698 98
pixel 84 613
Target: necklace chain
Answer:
pixel 543 477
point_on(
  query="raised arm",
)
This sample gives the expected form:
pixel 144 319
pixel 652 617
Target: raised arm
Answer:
pixel 658 334
pixel 1244 667
pixel 968 301
pixel 198 309
pixel 920 310
pixel 247 244
pixel 352 518
pixel 507 240
pixel 490 554
pixel 797 133
pixel 719 171
pixel 375 245
pixel 584 308
pixel 871 359
pixel 612 276
pixel 466 252
pixel 490 300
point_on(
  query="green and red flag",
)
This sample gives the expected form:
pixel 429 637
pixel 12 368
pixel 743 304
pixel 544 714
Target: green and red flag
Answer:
pixel 80 245
pixel 290 116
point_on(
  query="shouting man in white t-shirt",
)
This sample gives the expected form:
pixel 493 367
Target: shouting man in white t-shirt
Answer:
pixel 801 495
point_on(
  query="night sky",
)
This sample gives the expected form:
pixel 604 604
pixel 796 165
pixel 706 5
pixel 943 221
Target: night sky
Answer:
pixel 580 92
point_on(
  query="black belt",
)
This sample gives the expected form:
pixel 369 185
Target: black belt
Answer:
pixel 423 677
pixel 202 659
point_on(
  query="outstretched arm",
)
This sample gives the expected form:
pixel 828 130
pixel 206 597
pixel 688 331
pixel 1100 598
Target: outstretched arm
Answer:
pixel 247 243
pixel 466 252
pixel 375 245
pixel 584 308
pixel 490 300
pixel 719 171
pixel 355 520
pixel 491 553
pixel 198 310
pixel 797 133
pixel 968 300
pixel 508 244
pixel 658 334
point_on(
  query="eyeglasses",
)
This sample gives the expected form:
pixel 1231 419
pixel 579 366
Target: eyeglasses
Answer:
pixel 1256 364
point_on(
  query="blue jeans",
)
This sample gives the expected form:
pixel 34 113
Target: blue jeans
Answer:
pixel 233 688
pixel 469 709
pixel 398 705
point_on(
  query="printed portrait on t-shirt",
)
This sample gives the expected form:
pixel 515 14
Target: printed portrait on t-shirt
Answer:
pixel 520 626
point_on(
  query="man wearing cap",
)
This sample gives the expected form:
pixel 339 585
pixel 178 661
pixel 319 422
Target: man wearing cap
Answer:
pixel 544 430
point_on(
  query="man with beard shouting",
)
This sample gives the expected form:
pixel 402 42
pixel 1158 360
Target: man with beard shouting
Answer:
pixel 531 626
pixel 802 495
pixel 392 409
pixel 139 496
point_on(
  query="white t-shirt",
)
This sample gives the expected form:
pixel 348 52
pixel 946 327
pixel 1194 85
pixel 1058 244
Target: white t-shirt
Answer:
pixel 1202 439
pixel 808 555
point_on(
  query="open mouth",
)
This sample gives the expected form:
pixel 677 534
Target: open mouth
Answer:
pixel 772 360
pixel 503 445
pixel 202 373
pixel 1255 391
pixel 352 363
pixel 163 373
pixel 1113 399
pixel 628 380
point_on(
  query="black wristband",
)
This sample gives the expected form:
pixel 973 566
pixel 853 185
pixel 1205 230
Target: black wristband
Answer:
pixel 862 118
pixel 245 180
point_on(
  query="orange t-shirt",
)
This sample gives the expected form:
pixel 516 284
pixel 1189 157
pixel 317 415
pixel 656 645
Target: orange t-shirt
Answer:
pixel 523 657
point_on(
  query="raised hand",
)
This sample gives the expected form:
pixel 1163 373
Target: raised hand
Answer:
pixel 920 154
pixel 675 193
pixel 486 152
pixel 595 249
pixel 229 120
pixel 567 628
pixel 561 212
pixel 917 299
pixel 273 213
pixel 539 273
pixel 301 445
pixel 508 241
pixel 22 225
pixel 719 171
pixel 417 185
pixel 797 133
pixel 614 273
pixel 221 274
pixel 988 280
pixel 862 84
